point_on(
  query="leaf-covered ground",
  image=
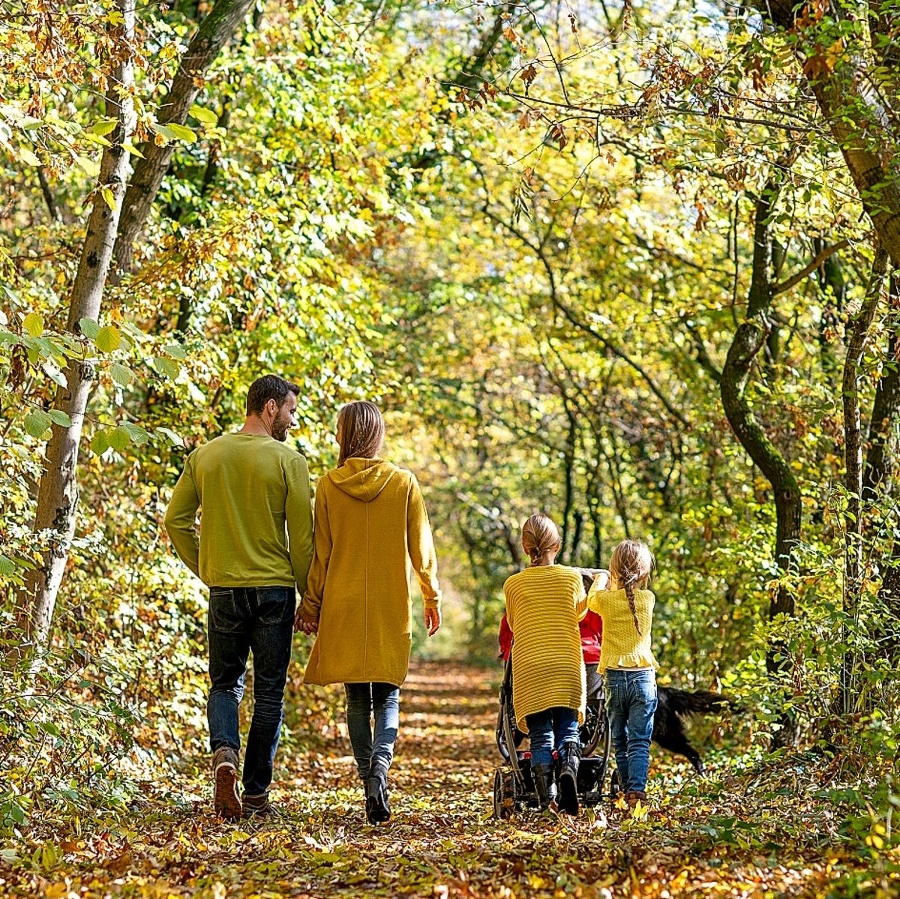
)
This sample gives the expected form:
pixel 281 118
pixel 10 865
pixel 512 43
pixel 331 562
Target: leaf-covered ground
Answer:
pixel 738 833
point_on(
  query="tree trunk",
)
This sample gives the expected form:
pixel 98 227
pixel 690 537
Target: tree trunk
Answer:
pixel 876 178
pixel 214 32
pixel 749 340
pixel 881 442
pixel 858 330
pixel 569 498
pixel 58 491
pixel 878 486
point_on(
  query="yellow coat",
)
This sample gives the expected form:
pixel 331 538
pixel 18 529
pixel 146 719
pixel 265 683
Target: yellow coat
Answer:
pixel 371 533
pixel 544 604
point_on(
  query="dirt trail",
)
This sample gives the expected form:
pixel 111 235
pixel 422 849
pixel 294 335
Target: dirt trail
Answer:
pixel 446 744
pixel 442 841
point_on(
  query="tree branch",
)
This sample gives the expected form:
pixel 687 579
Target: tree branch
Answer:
pixel 818 259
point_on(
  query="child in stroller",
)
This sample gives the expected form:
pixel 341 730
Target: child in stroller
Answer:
pixel 514 785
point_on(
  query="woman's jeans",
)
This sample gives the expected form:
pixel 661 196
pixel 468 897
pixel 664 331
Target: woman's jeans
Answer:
pixel 630 704
pixel 364 700
pixel 548 730
pixel 244 620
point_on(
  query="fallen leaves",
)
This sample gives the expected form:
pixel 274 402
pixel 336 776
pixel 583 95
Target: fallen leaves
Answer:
pixel 692 837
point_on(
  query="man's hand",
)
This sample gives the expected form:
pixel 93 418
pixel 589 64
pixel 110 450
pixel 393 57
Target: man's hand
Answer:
pixel 432 621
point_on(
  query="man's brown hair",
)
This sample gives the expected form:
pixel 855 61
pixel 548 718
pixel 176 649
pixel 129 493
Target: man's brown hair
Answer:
pixel 269 387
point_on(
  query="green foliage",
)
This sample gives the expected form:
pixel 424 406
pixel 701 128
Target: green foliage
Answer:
pixel 65 725
pixel 539 281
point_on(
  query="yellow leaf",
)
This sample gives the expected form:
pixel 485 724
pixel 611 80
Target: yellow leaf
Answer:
pixel 90 167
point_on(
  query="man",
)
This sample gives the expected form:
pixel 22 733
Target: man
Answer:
pixel 253 552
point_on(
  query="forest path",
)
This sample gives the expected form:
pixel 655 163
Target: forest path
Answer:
pixel 442 840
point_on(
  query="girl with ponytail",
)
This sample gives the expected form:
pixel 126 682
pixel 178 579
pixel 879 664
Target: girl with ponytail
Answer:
pixel 627 659
pixel 543 606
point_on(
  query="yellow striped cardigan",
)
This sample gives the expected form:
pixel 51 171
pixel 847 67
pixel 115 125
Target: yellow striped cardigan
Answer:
pixel 544 604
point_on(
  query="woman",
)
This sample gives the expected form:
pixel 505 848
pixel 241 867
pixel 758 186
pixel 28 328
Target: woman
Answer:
pixel 370 524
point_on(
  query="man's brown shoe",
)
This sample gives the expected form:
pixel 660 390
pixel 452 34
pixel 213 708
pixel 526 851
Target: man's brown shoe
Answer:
pixel 258 806
pixel 227 800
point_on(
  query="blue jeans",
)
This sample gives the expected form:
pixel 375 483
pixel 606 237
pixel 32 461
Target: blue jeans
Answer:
pixel 244 620
pixel 630 705
pixel 548 730
pixel 364 700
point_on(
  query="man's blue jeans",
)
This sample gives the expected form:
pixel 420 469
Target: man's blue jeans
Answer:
pixel 244 620
pixel 548 730
pixel 364 701
pixel 631 703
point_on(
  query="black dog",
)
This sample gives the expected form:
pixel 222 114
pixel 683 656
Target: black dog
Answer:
pixel 673 706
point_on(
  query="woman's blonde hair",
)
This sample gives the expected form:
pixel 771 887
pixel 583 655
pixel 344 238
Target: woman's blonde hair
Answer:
pixel 539 535
pixel 631 565
pixel 361 430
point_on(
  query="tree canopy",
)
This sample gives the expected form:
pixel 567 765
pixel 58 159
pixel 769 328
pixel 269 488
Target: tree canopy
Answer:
pixel 633 265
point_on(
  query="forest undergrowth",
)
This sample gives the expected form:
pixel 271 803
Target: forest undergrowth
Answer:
pixel 763 826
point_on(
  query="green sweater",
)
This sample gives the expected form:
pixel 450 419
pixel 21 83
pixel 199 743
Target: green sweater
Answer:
pixel 256 525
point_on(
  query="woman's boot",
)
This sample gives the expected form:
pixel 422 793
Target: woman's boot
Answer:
pixel 568 777
pixel 377 809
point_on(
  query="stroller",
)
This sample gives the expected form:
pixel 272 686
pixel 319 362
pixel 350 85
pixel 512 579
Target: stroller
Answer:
pixel 513 784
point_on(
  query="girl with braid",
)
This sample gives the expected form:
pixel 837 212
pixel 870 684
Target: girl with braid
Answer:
pixel 626 608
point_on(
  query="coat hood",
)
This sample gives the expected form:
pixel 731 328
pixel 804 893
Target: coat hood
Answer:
pixel 363 478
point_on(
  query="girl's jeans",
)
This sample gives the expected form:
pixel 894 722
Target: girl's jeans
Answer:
pixel 631 703
pixel 244 620
pixel 548 730
pixel 364 700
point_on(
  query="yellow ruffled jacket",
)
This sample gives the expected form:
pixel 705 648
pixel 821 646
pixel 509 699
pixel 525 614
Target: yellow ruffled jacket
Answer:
pixel 621 645
pixel 544 604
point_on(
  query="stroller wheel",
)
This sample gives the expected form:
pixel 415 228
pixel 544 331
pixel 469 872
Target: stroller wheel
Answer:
pixel 504 793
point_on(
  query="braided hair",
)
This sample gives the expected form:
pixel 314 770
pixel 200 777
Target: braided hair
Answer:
pixel 361 430
pixel 631 565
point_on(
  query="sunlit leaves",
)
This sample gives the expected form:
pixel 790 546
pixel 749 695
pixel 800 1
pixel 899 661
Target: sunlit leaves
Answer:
pixel 175 132
pixel 102 127
pixel 206 116
pixel 122 375
pixel 108 339
pixel 37 422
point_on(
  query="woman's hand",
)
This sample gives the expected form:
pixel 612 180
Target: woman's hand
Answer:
pixel 432 621
pixel 301 624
